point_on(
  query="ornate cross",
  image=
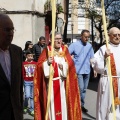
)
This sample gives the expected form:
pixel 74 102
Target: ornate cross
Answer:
pixel 58 113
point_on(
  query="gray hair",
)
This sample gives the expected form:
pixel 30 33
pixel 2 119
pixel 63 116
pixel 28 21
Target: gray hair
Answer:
pixel 56 33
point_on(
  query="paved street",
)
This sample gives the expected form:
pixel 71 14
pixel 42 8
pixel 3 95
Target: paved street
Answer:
pixel 90 102
pixel 28 117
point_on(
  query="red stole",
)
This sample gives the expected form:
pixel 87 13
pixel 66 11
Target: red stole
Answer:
pixel 114 80
pixel 57 95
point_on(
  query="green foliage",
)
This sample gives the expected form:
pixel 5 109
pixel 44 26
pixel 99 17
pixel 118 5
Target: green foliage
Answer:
pixel 94 14
pixel 59 8
pixel 48 7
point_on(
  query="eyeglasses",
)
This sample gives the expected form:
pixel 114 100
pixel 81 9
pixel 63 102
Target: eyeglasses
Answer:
pixel 8 29
pixel 115 35
pixel 57 39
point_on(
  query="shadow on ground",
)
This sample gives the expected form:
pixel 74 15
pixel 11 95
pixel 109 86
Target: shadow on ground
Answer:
pixel 28 119
pixel 87 119
pixel 88 115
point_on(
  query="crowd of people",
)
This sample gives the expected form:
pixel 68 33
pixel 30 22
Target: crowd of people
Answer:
pixel 55 84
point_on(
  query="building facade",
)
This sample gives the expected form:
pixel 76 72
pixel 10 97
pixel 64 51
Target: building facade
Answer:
pixel 77 20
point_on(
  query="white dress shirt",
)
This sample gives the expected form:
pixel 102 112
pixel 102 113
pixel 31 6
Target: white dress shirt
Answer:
pixel 6 63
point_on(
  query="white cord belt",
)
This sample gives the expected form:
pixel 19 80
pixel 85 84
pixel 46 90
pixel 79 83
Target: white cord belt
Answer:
pixel 56 78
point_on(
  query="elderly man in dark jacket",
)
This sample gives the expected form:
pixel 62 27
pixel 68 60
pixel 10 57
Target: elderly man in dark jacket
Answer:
pixel 37 48
pixel 11 82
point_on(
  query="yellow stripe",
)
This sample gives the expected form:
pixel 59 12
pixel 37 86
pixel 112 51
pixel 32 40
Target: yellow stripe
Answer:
pixel 53 2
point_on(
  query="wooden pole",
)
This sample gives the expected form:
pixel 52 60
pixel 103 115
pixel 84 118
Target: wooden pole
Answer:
pixel 53 2
pixel 108 59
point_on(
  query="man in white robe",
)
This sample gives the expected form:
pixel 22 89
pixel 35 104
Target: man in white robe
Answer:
pixel 104 99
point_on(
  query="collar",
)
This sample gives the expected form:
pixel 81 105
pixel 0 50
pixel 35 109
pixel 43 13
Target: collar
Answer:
pixel 113 44
pixel 82 43
pixel 7 50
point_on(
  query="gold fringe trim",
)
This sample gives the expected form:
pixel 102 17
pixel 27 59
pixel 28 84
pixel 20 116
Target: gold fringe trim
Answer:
pixel 60 54
pixel 117 101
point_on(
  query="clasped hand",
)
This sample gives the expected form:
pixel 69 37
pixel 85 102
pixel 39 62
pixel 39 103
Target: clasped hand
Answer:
pixel 50 60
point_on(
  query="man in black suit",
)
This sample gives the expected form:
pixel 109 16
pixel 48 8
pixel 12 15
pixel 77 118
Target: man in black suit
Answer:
pixel 11 82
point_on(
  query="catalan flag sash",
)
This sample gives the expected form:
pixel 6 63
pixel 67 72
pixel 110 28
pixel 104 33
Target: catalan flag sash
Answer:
pixel 114 79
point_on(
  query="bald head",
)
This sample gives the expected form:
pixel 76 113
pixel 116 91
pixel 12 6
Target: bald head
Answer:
pixel 6 31
pixel 114 30
pixel 3 19
pixel 3 15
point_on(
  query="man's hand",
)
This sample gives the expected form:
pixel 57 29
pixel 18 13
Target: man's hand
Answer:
pixel 107 53
pixel 50 60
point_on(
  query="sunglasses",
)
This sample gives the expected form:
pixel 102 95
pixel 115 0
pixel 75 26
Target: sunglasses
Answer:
pixel 115 35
